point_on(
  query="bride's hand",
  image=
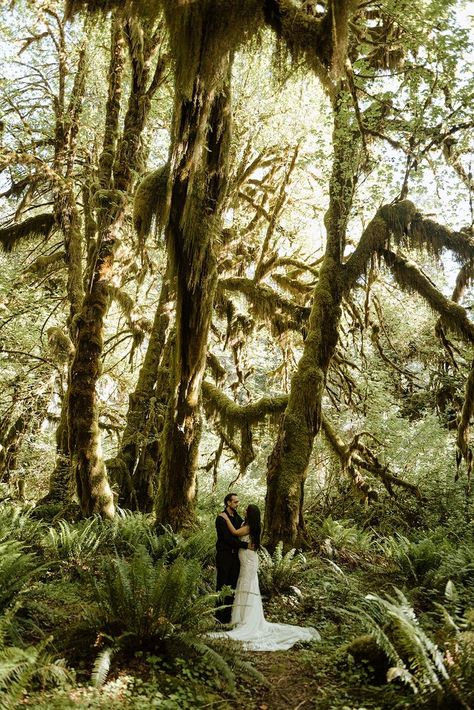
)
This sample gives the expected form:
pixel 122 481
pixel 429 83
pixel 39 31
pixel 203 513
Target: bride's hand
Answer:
pixel 223 515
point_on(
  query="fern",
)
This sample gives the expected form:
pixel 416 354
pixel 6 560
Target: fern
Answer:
pixel 280 571
pixel 143 602
pixel 19 667
pixel 17 524
pixel 101 667
pixel 346 536
pixel 16 569
pixel 416 659
pixel 78 542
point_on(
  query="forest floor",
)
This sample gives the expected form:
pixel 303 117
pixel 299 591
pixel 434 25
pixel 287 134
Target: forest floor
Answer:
pixel 90 594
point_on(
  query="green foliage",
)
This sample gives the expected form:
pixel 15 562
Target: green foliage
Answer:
pixel 76 542
pixel 17 523
pixel 415 658
pixel 16 569
pixel 143 602
pixel 21 667
pixel 344 536
pixel 130 530
pixel 418 560
pixel 280 571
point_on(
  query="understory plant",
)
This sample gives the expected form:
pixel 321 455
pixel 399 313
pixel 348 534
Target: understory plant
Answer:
pixel 438 671
pixel 280 571
pixel 160 607
pixel 22 667
pixel 16 569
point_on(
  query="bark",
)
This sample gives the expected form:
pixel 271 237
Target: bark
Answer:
pixel 135 468
pixel 195 297
pixel 288 462
pixel 199 172
pixel 67 218
pixel 95 495
pixel 119 162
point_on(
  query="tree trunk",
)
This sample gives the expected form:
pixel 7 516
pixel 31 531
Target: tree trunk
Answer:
pixel 119 162
pixel 194 220
pixel 68 219
pixel 135 467
pixel 288 462
pixel 95 495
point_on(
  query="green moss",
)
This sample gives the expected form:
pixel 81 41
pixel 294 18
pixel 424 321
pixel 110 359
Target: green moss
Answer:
pixel 150 201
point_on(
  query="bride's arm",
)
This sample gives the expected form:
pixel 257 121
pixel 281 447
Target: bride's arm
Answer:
pixel 244 530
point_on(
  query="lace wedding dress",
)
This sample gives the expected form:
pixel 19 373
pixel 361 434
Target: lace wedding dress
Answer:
pixel 250 626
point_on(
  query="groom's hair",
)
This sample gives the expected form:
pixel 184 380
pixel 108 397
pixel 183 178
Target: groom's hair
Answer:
pixel 228 498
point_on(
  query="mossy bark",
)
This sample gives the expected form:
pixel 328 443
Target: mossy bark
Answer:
pixel 94 493
pixel 135 468
pixel 288 462
pixel 67 217
pixel 198 180
pixel 119 163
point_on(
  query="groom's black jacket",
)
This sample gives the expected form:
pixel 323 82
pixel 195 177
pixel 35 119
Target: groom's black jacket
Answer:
pixel 226 542
pixel 227 562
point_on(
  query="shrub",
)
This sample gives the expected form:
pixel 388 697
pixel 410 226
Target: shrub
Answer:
pixel 20 667
pixel 75 542
pixel 346 537
pixel 145 603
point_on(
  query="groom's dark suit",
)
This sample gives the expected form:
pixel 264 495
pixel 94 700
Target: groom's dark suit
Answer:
pixel 227 561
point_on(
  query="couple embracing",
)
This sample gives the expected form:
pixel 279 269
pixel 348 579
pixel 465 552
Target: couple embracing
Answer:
pixel 237 548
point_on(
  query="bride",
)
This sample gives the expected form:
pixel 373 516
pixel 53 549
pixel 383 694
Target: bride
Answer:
pixel 248 620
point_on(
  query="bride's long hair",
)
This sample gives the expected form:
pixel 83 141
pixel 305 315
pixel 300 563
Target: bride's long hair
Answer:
pixel 252 518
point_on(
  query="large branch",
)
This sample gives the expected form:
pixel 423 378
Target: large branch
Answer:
pixel 265 302
pixel 231 413
pixel 408 228
pixel 321 41
pixel 409 277
pixel 360 456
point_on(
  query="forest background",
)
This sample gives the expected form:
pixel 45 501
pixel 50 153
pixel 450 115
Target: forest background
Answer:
pixel 237 254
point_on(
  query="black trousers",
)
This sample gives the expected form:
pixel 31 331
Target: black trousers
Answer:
pixel 228 568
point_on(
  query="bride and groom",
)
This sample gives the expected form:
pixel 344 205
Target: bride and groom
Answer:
pixel 237 548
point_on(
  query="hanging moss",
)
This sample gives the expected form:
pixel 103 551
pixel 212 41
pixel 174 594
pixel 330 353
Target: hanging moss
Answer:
pixel 60 344
pixel 41 265
pixel 218 371
pixel 435 237
pixel 217 404
pixel 266 303
pixel 411 278
pixel 232 416
pixel 150 202
pixel 225 24
pixel 143 8
pixel 293 285
pixel 41 225
pixel 125 301
pixel 320 41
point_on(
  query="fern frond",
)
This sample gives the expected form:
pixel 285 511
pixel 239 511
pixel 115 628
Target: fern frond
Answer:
pixel 101 667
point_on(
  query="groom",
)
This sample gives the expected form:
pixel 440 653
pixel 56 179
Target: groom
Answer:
pixel 227 557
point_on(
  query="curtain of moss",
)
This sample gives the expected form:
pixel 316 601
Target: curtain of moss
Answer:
pixel 194 222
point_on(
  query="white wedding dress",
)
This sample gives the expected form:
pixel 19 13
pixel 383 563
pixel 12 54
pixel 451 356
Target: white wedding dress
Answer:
pixel 250 626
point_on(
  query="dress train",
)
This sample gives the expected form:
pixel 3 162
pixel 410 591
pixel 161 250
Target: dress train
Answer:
pixel 250 625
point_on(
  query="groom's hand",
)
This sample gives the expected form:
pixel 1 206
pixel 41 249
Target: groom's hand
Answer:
pixel 251 546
